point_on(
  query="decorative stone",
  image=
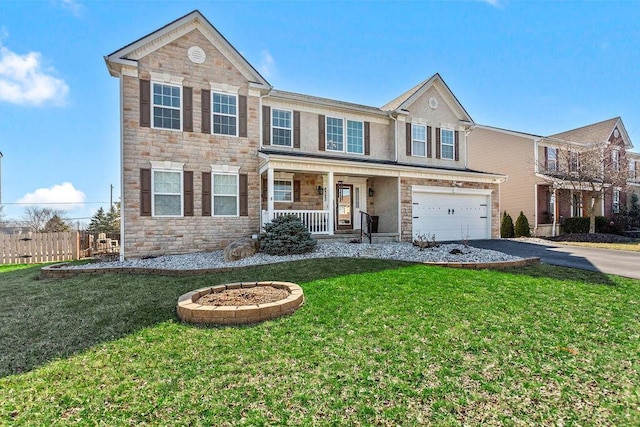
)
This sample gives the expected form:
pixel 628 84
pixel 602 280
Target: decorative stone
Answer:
pixel 241 248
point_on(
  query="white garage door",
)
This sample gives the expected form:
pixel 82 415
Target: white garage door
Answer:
pixel 452 216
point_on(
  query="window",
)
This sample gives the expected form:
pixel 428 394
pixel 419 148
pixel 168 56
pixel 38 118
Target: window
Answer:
pixel 281 127
pixel 574 161
pixel 615 160
pixel 447 144
pixel 576 205
pixel 418 140
pixel 355 137
pixel 225 194
pixel 552 159
pixel 616 201
pixel 632 170
pixel 283 191
pixel 166 106
pixel 225 114
pixel 167 193
pixel 335 134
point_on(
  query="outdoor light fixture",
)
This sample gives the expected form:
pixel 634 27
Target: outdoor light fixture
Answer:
pixel 320 190
pixel 371 192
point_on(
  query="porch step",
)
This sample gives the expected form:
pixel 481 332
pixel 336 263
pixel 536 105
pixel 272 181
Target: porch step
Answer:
pixel 347 237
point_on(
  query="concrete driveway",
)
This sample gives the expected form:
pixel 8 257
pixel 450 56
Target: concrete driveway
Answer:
pixel 621 263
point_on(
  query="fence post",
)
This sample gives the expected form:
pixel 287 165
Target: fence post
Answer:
pixel 76 246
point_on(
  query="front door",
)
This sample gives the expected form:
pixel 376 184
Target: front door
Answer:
pixel 344 206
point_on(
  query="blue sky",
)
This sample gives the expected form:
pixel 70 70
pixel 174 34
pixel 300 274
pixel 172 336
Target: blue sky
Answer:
pixel 538 67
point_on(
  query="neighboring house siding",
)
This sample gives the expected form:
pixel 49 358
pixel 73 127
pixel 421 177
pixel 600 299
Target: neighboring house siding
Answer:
pixel 492 151
pixel 198 151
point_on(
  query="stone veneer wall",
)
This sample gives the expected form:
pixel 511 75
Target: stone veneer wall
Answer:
pixel 198 151
pixel 407 184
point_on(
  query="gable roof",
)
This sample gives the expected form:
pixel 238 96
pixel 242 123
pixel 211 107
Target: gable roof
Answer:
pixel 275 93
pixel 406 99
pixel 596 132
pixel 131 53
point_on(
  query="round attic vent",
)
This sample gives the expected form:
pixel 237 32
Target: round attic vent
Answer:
pixel 433 103
pixel 196 54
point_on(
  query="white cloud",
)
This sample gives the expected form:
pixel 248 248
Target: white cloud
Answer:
pixel 60 196
pixel 24 81
pixel 267 65
pixel 73 6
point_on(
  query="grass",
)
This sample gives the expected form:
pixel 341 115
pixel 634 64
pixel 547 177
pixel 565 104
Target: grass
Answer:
pixel 376 342
pixel 631 246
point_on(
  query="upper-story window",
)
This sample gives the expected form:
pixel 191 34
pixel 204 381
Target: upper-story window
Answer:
pixel 225 114
pixel 447 142
pixel 283 190
pixel 167 192
pixel 616 201
pixel 225 194
pixel 281 128
pixel 335 135
pixel 166 106
pixel 615 160
pixel 574 161
pixel 552 159
pixel 632 170
pixel 418 140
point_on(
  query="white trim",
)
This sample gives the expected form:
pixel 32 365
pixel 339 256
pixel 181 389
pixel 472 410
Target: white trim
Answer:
pixel 426 138
pixel 236 115
pixel 222 169
pixel 224 88
pixel 123 216
pixel 290 129
pixel 450 190
pixel 452 145
pixel 213 194
pixel 153 192
pixel 167 165
pixel 152 105
pixel 166 78
pixel 346 136
pixel 290 181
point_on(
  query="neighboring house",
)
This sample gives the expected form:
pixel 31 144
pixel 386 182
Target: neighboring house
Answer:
pixel 210 152
pixel 535 165
pixel 633 183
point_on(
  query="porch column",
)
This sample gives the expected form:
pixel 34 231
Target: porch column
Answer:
pixel 270 208
pixel 555 211
pixel 331 199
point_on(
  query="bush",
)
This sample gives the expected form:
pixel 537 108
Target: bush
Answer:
pixel 506 226
pixel 286 235
pixel 522 226
pixel 581 225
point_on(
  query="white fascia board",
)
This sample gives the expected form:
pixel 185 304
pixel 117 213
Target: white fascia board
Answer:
pixel 508 132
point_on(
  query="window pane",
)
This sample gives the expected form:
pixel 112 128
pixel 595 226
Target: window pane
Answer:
pixel 446 144
pixel 282 191
pixel 281 137
pixel 166 182
pixel 224 125
pixel 418 148
pixel 355 137
pixel 419 137
pixel 334 134
pixel 225 184
pixel 167 205
pixel 166 106
pixel 282 118
pixel 225 205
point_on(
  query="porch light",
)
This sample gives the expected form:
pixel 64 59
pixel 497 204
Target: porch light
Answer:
pixel 371 192
pixel 320 190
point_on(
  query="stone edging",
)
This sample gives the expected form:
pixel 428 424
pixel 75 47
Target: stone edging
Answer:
pixel 192 312
pixel 57 271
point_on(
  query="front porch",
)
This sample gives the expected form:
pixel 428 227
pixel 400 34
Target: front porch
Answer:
pixel 556 203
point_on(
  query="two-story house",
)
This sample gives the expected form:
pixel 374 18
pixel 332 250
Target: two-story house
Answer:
pixel 211 151
pixel 555 177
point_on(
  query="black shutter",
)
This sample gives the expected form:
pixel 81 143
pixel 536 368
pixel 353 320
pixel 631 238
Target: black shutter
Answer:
pixel 296 191
pixel 429 141
pixel 187 94
pixel 296 129
pixel 145 192
pixel 408 139
pixel 206 111
pixel 367 139
pixel 242 115
pixel 206 193
pixel 437 143
pixel 266 125
pixel 244 196
pixel 456 147
pixel 145 104
pixel 321 135
pixel 546 158
pixel 187 178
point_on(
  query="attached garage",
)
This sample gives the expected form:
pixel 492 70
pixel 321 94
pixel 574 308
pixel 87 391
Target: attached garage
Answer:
pixel 451 213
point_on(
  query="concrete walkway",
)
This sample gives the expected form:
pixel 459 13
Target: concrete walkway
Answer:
pixel 621 263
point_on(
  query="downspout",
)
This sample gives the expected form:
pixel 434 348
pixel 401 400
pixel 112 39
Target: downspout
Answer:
pixel 395 135
pixel 555 211
pixel 122 201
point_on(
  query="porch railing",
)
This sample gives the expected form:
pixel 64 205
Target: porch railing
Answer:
pixel 317 222
pixel 365 228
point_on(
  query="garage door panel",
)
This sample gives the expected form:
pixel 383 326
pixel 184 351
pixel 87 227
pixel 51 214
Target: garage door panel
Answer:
pixel 451 216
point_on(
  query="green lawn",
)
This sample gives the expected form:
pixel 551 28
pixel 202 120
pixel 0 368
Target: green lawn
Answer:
pixel 376 343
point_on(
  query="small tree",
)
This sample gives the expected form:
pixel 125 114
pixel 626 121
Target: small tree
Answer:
pixel 113 218
pixel 98 221
pixel 37 218
pixel 106 222
pixel 522 226
pixel 506 227
pixel 286 235
pixel 634 209
pixel 56 225
pixel 3 221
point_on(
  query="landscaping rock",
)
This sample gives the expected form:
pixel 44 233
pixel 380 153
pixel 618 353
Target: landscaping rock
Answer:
pixel 241 248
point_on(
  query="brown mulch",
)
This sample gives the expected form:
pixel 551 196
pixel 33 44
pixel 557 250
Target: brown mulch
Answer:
pixel 592 238
pixel 250 296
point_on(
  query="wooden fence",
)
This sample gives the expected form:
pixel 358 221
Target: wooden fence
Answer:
pixel 32 248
